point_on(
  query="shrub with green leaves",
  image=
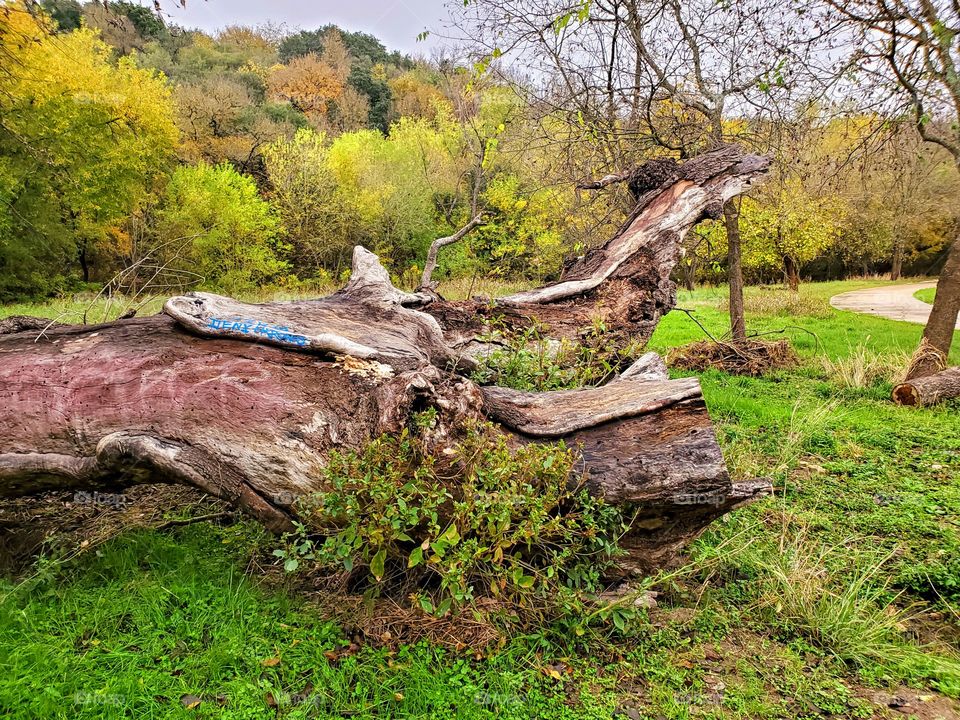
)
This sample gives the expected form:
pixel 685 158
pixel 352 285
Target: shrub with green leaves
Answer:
pixel 231 234
pixel 488 520
pixel 529 360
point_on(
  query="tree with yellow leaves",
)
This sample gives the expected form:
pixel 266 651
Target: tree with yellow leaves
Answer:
pixel 83 139
pixel 307 83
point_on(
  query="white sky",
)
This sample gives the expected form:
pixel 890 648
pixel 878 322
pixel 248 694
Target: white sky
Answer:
pixel 395 22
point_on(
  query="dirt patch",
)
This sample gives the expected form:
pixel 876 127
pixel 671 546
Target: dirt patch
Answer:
pixel 385 623
pixel 752 357
pixel 905 702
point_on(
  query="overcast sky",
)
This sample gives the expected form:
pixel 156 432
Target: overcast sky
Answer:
pixel 395 22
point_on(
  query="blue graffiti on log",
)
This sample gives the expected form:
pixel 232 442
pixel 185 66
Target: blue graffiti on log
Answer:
pixel 275 333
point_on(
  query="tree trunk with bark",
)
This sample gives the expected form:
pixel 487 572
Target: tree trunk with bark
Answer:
pixel 246 402
pixel 896 269
pixel 938 334
pixel 738 320
pixel 792 273
pixel 930 389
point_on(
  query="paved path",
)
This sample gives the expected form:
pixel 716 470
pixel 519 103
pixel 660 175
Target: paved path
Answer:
pixel 895 302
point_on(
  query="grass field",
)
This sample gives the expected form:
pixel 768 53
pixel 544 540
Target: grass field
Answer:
pixel 812 603
pixel 926 295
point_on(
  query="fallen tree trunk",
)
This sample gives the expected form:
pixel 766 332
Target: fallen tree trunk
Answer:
pixel 930 389
pixel 246 402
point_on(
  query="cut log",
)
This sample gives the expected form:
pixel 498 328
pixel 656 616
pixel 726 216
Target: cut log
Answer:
pixel 247 402
pixel 930 389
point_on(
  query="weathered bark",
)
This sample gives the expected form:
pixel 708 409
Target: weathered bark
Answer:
pixel 247 402
pixel 625 283
pixel 738 318
pixel 930 389
pixel 938 334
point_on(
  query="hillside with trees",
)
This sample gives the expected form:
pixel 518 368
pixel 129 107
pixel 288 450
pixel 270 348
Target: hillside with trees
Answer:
pixel 317 140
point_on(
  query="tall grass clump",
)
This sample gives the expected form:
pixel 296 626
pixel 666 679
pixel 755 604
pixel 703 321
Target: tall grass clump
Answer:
pixel 781 302
pixel 861 368
pixel 839 601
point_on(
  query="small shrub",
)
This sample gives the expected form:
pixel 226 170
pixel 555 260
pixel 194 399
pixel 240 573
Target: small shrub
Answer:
pixel 489 520
pixel 531 361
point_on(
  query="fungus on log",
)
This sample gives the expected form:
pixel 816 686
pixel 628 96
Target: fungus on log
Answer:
pixel 246 402
pixel 930 389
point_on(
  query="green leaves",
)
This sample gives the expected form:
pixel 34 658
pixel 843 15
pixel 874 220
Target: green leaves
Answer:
pixel 510 525
pixel 232 232
pixel 581 14
pixel 377 563
pixel 416 557
pixel 451 537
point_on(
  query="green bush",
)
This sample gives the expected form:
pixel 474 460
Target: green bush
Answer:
pixel 214 223
pixel 484 519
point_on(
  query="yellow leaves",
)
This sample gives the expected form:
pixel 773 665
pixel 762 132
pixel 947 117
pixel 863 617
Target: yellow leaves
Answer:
pixel 103 128
pixel 120 240
pixel 307 83
pixel 19 28
pixel 417 98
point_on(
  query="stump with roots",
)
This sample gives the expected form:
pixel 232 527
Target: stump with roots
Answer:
pixel 246 402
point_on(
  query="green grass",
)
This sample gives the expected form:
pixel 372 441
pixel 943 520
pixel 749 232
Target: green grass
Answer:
pixel 156 616
pixel 926 295
pixel 789 608
pixel 837 332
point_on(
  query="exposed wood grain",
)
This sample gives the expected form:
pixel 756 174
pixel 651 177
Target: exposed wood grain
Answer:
pixel 930 389
pixel 248 401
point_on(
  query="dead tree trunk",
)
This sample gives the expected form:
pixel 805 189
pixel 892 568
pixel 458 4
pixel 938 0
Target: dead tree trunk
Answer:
pixel 247 402
pixel 426 280
pixel 930 389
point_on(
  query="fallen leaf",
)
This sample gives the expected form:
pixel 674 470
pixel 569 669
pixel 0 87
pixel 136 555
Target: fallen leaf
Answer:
pixel 270 662
pixel 551 672
pixel 190 701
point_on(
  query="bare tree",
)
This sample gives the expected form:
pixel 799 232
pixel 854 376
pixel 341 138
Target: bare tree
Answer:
pixel 634 77
pixel 426 280
pixel 907 50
